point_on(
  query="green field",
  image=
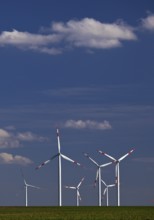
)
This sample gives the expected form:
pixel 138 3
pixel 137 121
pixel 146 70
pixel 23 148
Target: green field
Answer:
pixel 77 213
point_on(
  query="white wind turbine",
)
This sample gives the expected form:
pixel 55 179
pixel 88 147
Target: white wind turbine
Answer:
pixel 59 155
pixel 78 197
pixel 106 191
pixel 117 171
pixel 98 176
pixel 26 185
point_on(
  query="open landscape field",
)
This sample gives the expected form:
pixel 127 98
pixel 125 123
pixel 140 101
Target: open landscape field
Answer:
pixel 76 213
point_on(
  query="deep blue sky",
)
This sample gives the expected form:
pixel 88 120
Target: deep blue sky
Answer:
pixel 83 64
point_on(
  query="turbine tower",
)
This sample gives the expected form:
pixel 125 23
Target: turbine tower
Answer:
pixel 98 176
pixel 78 197
pixel 106 191
pixel 117 170
pixel 59 155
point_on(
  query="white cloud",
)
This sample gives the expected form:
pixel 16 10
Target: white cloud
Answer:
pixel 24 38
pixel 6 158
pixel 88 33
pixel 29 136
pixel 80 124
pixel 4 134
pixel 148 22
pixel 7 140
pixel 9 143
pixel 91 33
pixel 29 41
pixel 14 140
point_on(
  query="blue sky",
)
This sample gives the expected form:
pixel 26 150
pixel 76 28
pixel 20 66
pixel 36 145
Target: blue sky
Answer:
pixel 85 67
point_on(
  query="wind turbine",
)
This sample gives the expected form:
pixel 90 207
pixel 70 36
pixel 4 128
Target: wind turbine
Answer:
pixel 78 197
pixel 98 176
pixel 59 155
pixel 117 171
pixel 26 185
pixel 106 191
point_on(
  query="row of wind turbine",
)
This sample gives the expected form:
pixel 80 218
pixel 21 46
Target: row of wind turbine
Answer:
pixel 59 155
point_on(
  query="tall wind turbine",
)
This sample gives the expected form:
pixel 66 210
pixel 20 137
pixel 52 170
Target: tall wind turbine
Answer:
pixel 106 191
pixel 59 155
pixel 117 171
pixel 98 176
pixel 26 185
pixel 78 197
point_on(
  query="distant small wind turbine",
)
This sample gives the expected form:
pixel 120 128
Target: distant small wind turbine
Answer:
pixel 26 185
pixel 98 176
pixel 59 155
pixel 106 191
pixel 117 171
pixel 78 197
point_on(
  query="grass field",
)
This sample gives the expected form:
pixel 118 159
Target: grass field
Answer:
pixel 77 213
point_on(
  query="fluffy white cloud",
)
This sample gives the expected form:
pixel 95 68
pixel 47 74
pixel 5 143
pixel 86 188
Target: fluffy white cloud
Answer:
pixel 87 32
pixel 7 140
pixel 6 158
pixel 91 33
pixel 29 136
pixel 4 134
pixel 13 140
pixel 29 41
pixel 80 124
pixel 148 22
pixel 24 38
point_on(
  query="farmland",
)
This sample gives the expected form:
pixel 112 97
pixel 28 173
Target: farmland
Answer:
pixel 76 213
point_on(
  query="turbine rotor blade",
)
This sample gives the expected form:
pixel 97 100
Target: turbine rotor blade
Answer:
pixel 70 187
pixel 104 183
pixel 111 185
pixel 105 190
pixel 116 174
pixel 58 139
pixel 78 194
pixel 25 182
pixel 107 155
pixel 69 159
pixel 106 164
pixel 47 161
pixel 33 186
pixel 23 177
pixel 121 158
pixel 80 182
pixel 97 173
pixel 86 155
